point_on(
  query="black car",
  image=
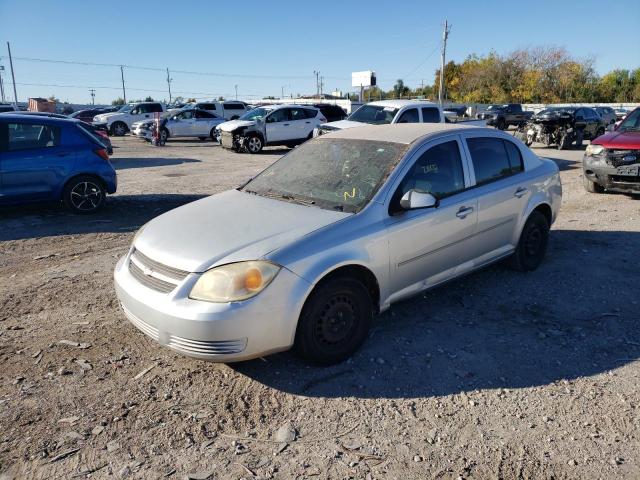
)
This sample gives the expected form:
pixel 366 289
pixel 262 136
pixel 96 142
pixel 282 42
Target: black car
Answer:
pixel 562 126
pixel 332 113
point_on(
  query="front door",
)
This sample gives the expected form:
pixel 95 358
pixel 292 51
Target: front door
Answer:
pixel 430 245
pixel 278 126
pixel 182 125
pixel 34 162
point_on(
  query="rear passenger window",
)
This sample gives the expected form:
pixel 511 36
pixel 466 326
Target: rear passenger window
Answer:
pixel 297 114
pixel 409 116
pixel 430 115
pixel 23 136
pixel 234 106
pixel 310 113
pixel 491 160
pixel 515 157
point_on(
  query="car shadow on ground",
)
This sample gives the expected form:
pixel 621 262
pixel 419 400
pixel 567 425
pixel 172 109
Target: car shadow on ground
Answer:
pixel 563 164
pixel 125 163
pixel 573 317
pixel 121 214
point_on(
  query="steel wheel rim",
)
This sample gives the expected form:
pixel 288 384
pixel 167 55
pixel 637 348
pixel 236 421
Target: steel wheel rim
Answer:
pixel 86 196
pixel 533 242
pixel 254 144
pixel 119 130
pixel 336 322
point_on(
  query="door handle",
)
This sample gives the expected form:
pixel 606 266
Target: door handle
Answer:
pixel 307 122
pixel 521 192
pixel 285 124
pixel 464 211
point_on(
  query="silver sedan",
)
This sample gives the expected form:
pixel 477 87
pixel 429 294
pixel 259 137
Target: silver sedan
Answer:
pixel 334 232
pixel 191 122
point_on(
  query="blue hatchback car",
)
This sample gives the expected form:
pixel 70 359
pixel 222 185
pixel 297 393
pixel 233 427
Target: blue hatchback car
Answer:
pixel 47 159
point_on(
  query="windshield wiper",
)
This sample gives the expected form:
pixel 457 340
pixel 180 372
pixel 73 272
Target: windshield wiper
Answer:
pixel 299 200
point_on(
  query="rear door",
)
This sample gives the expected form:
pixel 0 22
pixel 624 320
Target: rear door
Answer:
pixel 203 123
pixel 34 161
pixel 430 115
pixel 410 115
pixel 278 126
pixel 502 192
pixel 301 122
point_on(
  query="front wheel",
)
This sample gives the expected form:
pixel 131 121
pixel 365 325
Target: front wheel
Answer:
pixel 334 321
pixel 254 144
pixel 532 245
pixel 84 194
pixel 118 129
pixel 214 135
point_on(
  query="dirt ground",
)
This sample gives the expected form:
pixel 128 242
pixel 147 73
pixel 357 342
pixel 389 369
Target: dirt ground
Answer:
pixel 497 375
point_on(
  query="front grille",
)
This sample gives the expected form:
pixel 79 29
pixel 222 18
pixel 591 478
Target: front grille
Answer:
pixel 154 275
pixel 207 347
pixel 617 157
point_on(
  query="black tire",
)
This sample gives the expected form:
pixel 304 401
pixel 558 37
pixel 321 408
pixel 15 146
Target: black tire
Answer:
pixel 84 194
pixel 579 138
pixel 563 141
pixel 118 129
pixel 213 135
pixel 532 245
pixel 501 124
pixel 164 135
pixel 254 144
pixel 334 322
pixel 591 187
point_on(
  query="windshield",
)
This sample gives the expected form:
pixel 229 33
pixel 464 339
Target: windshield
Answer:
pixel 331 173
pixel 374 114
pixel 255 114
pixel 631 122
pixel 125 108
pixel 496 107
pixel 552 110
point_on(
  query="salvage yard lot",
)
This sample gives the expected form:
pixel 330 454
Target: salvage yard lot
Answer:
pixel 497 375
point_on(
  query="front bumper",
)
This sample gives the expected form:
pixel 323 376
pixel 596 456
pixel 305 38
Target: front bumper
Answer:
pixel 621 178
pixel 218 332
pixel 101 126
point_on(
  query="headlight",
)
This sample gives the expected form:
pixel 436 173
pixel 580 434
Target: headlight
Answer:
pixel 594 150
pixel 234 282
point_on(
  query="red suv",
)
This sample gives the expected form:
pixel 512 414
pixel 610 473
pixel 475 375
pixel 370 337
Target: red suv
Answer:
pixel 612 161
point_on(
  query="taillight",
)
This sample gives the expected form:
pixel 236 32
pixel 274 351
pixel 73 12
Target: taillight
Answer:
pixel 102 153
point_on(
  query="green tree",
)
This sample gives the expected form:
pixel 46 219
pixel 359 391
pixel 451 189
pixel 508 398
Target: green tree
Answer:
pixel 118 101
pixel 400 89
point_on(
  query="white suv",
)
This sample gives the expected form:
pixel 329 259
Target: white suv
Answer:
pixel 120 122
pixel 287 125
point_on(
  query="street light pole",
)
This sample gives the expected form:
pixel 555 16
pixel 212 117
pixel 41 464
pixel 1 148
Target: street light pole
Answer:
pixel 1 83
pixel 445 36
pixel 92 91
pixel 236 85
pixel 169 84
pixel 124 92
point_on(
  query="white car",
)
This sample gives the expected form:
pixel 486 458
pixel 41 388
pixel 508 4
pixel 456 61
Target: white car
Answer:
pixel 288 125
pixel 120 122
pixel 186 123
pixel 394 111
pixel 228 109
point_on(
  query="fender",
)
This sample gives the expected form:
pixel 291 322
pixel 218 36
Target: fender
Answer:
pixel 547 193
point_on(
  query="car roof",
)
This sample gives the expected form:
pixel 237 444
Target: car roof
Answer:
pixel 402 103
pixel 14 116
pixel 405 133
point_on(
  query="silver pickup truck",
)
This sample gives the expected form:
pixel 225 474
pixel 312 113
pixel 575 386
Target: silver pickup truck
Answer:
pixel 386 112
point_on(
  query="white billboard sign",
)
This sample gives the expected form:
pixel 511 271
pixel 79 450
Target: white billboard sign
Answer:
pixel 363 79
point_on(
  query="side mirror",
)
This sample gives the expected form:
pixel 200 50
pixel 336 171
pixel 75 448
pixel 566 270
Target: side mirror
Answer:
pixel 414 199
pixel 611 128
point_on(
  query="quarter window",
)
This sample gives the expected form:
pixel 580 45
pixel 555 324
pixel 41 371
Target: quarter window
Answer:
pixel 438 171
pixel 409 116
pixel 23 136
pixel 430 115
pixel 493 159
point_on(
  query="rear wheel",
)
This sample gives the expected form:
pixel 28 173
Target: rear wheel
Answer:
pixel 591 187
pixel 334 321
pixel 84 194
pixel 532 245
pixel 502 124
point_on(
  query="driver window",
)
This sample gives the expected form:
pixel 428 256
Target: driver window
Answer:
pixel 438 171
pixel 187 115
pixel 281 115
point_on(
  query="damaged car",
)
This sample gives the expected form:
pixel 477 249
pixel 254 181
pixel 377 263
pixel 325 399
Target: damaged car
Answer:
pixel 287 125
pixel 561 126
pixel 337 230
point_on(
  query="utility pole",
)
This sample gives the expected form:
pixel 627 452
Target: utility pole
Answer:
pixel 236 86
pixel 321 85
pixel 92 91
pixel 1 84
pixel 282 95
pixel 13 77
pixel 317 74
pixel 124 92
pixel 169 84
pixel 445 36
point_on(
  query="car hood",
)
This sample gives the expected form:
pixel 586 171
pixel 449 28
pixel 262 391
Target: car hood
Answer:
pixel 105 116
pixel 231 125
pixel 228 227
pixel 341 125
pixel 620 140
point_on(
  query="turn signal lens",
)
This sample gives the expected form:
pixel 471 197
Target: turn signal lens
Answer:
pixel 234 282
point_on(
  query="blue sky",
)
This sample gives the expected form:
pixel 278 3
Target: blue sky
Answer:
pixel 279 44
